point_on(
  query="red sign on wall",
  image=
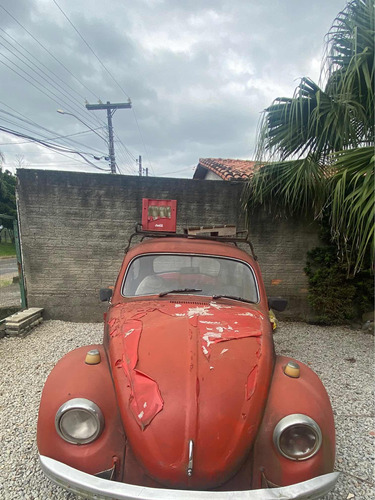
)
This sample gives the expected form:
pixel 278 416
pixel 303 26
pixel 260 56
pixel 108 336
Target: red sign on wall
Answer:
pixel 159 215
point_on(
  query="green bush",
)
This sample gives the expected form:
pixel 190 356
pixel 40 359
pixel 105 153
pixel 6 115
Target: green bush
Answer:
pixel 334 297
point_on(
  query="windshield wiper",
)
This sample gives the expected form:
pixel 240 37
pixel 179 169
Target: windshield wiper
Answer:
pixel 233 297
pixel 181 290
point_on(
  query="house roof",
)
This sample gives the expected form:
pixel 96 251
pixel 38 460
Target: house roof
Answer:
pixel 227 169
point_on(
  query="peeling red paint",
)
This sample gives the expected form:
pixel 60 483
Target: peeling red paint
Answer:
pixel 251 382
pixel 232 323
pixel 145 399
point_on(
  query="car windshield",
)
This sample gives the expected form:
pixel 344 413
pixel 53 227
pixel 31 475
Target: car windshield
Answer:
pixel 206 275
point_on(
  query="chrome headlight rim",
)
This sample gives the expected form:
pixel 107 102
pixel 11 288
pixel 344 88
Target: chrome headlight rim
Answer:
pixel 84 405
pixel 297 419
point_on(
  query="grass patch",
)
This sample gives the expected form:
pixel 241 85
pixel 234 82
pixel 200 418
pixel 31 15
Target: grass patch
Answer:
pixel 5 283
pixel 7 250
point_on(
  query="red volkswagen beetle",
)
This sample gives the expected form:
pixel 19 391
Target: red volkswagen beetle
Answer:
pixel 186 397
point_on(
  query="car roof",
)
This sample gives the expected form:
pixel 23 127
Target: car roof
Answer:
pixel 190 246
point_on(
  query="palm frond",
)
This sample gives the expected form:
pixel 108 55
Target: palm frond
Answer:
pixel 350 61
pixel 312 122
pixel 294 187
pixel 352 201
pixel 350 34
pixel 330 131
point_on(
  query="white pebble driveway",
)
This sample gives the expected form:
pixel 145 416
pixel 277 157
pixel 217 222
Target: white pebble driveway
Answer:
pixel 343 358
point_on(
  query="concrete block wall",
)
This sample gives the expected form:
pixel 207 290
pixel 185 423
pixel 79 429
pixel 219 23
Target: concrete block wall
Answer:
pixel 281 246
pixel 75 226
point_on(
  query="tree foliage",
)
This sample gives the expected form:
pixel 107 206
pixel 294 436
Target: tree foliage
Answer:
pixel 7 197
pixel 316 148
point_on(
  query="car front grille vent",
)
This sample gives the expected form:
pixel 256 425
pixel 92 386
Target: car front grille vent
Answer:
pixel 188 302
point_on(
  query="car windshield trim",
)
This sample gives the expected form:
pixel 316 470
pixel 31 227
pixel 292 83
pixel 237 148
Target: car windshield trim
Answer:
pixel 223 257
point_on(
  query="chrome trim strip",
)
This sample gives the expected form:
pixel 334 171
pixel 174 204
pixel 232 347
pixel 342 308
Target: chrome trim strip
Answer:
pixel 190 463
pixel 101 489
pixel 79 404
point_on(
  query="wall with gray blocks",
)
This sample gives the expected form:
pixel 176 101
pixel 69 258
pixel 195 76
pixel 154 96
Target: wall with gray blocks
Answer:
pixel 75 226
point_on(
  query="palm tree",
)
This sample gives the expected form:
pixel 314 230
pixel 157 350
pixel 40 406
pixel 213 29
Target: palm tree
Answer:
pixel 316 148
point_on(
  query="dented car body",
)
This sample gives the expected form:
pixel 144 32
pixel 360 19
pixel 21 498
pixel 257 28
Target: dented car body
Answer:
pixel 186 397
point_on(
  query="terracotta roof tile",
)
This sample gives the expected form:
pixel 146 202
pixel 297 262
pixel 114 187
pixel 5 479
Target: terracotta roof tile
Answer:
pixel 228 169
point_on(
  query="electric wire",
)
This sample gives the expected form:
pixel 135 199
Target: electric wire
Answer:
pixel 89 47
pixel 123 151
pixel 58 102
pixel 49 52
pixel 176 171
pixel 53 56
pixel 143 142
pixel 109 73
pixel 68 104
pixel 46 90
pixel 41 63
pixel 52 138
pixel 47 130
pixel 131 156
pixel 57 86
pixel 53 147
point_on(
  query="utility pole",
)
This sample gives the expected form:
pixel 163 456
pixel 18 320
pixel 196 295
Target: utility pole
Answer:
pixel 140 165
pixel 111 109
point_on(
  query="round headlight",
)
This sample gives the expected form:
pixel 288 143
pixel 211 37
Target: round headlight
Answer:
pixel 297 437
pixel 79 421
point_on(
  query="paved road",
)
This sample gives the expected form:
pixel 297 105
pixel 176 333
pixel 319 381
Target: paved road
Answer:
pixel 8 266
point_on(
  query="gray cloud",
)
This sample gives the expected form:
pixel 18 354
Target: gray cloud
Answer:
pixel 199 73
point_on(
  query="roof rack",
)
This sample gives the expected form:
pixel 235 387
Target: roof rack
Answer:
pixel 139 232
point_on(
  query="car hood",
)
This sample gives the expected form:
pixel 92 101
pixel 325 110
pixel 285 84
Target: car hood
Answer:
pixel 192 380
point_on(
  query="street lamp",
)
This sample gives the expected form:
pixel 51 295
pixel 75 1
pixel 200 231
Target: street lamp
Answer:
pixel 62 112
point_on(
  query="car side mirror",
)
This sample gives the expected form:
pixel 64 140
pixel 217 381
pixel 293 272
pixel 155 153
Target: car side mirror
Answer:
pixel 277 303
pixel 105 294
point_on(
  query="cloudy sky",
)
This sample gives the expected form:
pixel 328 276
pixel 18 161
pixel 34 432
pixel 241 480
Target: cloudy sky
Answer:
pixel 198 73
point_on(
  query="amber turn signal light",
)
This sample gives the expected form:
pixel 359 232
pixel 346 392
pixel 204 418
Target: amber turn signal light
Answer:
pixel 292 369
pixel 93 357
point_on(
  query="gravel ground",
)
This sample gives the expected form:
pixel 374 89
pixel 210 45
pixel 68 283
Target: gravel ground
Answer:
pixel 343 358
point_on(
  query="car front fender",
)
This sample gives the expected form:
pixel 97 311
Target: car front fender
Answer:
pixel 73 378
pixel 303 395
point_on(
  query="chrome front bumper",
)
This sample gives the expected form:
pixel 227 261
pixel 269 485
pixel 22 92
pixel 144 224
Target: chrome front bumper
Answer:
pixel 96 488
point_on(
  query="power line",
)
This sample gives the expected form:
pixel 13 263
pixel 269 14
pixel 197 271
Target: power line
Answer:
pixel 49 52
pixel 58 102
pixel 51 138
pixel 177 171
pixel 41 63
pixel 59 99
pixel 54 147
pixel 109 73
pixel 110 108
pixel 47 130
pixel 89 47
pixel 45 90
pixel 55 58
pixel 40 72
pixel 143 142
pixel 127 157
